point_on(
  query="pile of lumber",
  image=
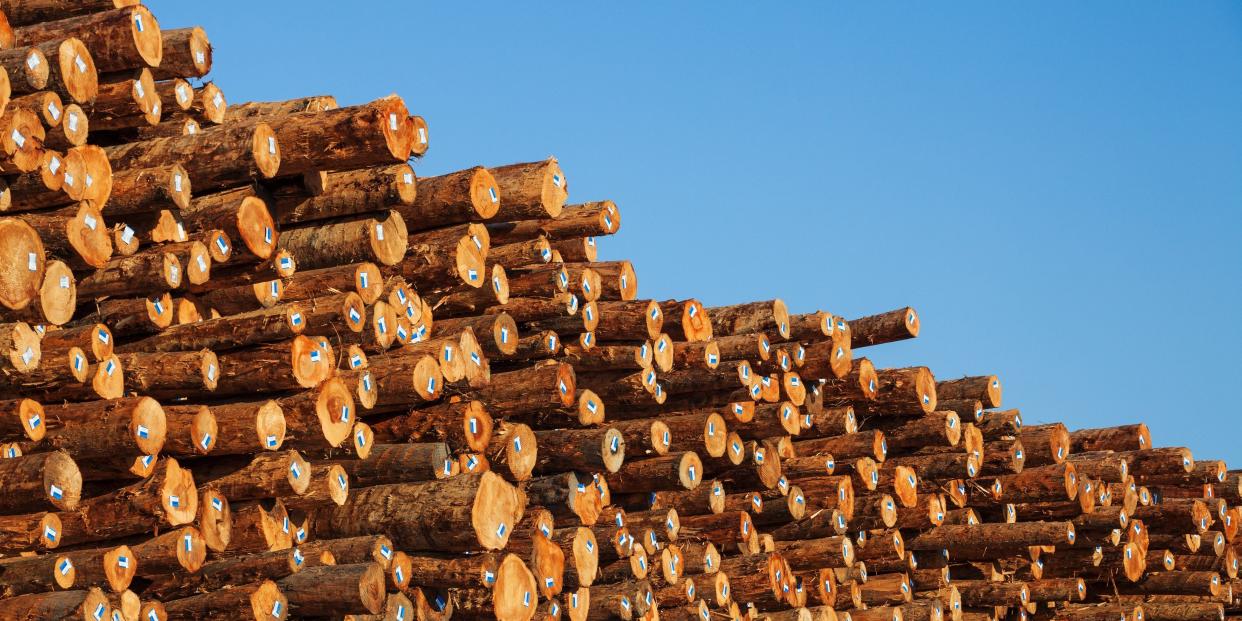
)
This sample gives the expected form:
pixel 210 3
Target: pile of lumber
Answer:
pixel 254 366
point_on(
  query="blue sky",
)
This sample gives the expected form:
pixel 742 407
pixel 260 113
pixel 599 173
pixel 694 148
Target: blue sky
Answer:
pixel 1056 187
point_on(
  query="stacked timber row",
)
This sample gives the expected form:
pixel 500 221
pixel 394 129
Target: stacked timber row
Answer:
pixel 254 366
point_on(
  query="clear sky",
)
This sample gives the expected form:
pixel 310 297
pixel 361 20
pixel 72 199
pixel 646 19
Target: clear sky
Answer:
pixel 1055 186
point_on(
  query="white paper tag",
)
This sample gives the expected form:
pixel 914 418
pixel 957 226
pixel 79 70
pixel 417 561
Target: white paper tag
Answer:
pixel 90 222
pixel 79 63
pixel 422 136
pixel 73 122
pixel 138 89
pixel 379 232
pixel 177 182
pixel 18 138
pixel 199 57
pixel 271 145
pixel 33 61
pixel 32 262
pixel 138 22
pixel 53 110
pixel 392 122
pixel 127 234
pixel 202 265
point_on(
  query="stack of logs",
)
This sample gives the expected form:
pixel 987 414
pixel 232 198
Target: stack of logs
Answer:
pixel 255 367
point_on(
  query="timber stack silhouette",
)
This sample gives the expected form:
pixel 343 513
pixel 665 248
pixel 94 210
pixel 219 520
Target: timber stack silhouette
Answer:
pixel 257 365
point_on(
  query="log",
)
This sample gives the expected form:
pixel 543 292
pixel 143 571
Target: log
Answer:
pixel 40 481
pixel 531 190
pixel 30 532
pixel 350 192
pixel 171 374
pixel 214 158
pixel 336 589
pixel 140 190
pixel 257 600
pixel 98 429
pixel 186 54
pixel 144 274
pixel 379 132
pixel 889 327
pixel 79 604
pixel 122 38
pixel 469 195
pixel 381 239
pixel 428 515
pixel 130 103
pixel 167 497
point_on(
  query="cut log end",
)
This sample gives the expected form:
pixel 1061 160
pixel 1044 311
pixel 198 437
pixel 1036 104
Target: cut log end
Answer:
pixel 145 31
pixel 334 406
pixel 256 227
pixel 23 352
pixel 514 595
pixel 109 379
pixel 178 496
pixel 265 150
pixel 267 603
pixel 484 193
pixel 690 470
pixel 58 296
pixel 22 264
pixel 119 566
pixel 495 511
pixel 216 523
pixel 215 107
